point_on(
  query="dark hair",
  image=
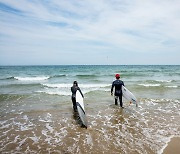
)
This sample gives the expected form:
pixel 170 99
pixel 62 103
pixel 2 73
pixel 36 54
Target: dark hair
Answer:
pixel 75 83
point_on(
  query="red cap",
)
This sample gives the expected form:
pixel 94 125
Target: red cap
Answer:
pixel 117 76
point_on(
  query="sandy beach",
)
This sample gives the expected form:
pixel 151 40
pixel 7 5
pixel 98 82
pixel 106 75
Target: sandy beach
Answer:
pixel 173 146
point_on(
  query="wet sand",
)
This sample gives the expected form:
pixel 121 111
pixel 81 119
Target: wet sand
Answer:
pixel 173 146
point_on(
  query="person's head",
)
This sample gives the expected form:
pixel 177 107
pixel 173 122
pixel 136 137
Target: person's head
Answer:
pixel 75 83
pixel 117 76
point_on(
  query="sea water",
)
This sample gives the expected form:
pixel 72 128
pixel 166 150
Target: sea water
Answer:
pixel 36 113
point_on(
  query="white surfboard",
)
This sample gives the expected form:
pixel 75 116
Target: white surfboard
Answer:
pixel 80 108
pixel 128 95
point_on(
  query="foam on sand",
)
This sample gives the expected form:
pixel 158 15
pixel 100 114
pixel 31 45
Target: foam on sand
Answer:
pixel 172 146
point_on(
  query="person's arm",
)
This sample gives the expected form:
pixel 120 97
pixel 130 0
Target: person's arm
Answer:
pixel 80 92
pixel 72 89
pixel 112 88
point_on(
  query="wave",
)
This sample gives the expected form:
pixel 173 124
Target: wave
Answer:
pixel 14 85
pixel 61 93
pixel 164 81
pixel 68 92
pixel 65 85
pixel 57 76
pixel 158 85
pixel 32 78
pixel 37 78
pixel 171 86
pixel 86 76
pixel 159 100
pixel 10 78
pixel 150 85
pixel 65 89
pixel 7 78
pixel 133 75
pixel 160 81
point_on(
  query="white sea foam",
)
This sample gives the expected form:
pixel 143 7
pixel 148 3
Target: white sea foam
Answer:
pixel 22 142
pixel 32 78
pixel 167 140
pixel 67 92
pixel 172 86
pixel 94 85
pixel 89 140
pixel 64 85
pixel 25 117
pixel 49 128
pixel 150 85
pixel 16 139
pixel 168 81
pixel 47 118
pixel 35 139
pixel 24 128
pixel 156 85
pixel 64 89
pixel 55 92
pixel 5 126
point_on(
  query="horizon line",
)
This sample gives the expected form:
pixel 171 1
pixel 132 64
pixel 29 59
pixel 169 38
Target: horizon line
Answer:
pixel 94 65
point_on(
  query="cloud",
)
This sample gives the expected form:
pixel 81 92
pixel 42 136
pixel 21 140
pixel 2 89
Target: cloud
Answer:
pixel 89 28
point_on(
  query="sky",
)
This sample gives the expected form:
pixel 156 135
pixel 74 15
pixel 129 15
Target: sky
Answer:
pixel 85 32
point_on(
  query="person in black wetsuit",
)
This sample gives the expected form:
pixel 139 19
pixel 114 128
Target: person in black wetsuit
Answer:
pixel 74 88
pixel 118 90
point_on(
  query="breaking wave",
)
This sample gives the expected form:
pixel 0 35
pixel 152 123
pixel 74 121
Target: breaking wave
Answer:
pixel 65 89
pixel 150 85
pixel 32 78
pixel 158 85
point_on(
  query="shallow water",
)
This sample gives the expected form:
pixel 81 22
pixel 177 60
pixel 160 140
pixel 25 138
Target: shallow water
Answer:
pixel 36 112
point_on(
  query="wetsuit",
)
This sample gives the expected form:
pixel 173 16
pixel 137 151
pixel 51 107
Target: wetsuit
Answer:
pixel 73 90
pixel 118 91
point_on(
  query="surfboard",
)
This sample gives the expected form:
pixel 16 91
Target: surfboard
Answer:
pixel 129 95
pixel 80 108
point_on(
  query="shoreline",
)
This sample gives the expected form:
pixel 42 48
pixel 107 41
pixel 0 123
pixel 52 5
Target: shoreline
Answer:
pixel 172 146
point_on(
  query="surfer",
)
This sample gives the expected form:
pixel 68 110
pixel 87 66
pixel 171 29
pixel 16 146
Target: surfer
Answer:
pixel 118 90
pixel 74 88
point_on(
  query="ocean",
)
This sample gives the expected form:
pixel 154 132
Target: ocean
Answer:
pixel 36 114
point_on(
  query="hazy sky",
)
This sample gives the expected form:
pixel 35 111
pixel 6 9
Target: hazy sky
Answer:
pixel 35 32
